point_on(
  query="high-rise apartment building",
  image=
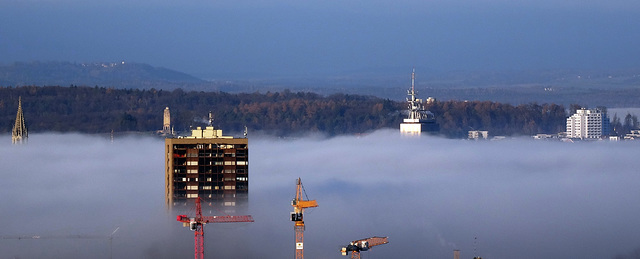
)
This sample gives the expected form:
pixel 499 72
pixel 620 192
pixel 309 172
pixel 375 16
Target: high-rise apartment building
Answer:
pixel 207 165
pixel 588 124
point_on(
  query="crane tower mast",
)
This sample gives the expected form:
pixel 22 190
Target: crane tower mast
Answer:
pixel 197 223
pixel 297 216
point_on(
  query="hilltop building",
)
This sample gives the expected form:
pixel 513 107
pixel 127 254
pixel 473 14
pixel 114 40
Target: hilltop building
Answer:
pixel 207 165
pixel 633 135
pixel 543 136
pixel 478 134
pixel 19 134
pixel 419 119
pixel 588 124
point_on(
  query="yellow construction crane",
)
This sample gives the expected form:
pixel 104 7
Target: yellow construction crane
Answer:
pixel 362 245
pixel 296 216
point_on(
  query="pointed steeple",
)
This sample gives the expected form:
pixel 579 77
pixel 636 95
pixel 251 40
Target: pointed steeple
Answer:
pixel 19 133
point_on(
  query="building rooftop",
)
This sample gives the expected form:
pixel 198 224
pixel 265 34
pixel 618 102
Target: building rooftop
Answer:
pixel 208 132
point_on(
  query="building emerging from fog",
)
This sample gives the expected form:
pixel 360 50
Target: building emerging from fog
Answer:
pixel 419 119
pixel 166 122
pixel 207 165
pixel 19 133
pixel 478 134
pixel 588 124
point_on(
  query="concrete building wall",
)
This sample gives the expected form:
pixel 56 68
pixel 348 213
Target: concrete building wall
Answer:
pixel 410 128
pixel 215 169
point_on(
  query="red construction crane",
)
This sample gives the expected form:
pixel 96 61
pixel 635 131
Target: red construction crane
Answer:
pixel 197 225
pixel 296 216
pixel 363 245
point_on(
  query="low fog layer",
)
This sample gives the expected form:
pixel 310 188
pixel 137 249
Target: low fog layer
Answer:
pixel 520 198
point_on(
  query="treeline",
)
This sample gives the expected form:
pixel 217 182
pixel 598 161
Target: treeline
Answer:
pixel 101 110
pixel 457 118
pixel 620 128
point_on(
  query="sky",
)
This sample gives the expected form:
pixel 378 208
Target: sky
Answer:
pixel 516 198
pixel 310 39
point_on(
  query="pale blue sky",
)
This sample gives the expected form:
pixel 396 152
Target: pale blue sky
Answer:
pixel 270 39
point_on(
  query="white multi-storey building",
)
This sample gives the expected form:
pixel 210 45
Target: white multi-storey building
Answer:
pixel 588 124
pixel 478 134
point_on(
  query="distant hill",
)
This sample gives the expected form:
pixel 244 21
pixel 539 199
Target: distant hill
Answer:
pixel 117 75
pixel 615 88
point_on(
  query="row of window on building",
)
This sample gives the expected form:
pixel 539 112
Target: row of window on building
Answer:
pixel 219 163
pixel 208 187
pixel 209 179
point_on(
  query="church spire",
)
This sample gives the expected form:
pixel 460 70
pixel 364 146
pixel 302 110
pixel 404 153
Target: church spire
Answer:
pixel 19 133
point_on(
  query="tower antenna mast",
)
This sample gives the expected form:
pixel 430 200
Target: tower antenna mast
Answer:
pixel 415 105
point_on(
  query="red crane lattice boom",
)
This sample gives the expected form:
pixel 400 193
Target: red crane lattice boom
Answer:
pixel 197 223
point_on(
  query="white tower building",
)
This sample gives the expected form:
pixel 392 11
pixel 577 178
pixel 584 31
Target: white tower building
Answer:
pixel 419 119
pixel 588 124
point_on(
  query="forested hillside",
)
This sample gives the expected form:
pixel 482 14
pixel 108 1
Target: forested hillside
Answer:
pixel 100 110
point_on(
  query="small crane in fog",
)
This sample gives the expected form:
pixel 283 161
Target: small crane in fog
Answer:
pixel 197 223
pixel 475 246
pixel 72 236
pixel 296 216
pixel 111 242
pixel 363 245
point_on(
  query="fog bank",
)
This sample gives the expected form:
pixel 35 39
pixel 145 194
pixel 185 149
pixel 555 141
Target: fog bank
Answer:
pixel 521 198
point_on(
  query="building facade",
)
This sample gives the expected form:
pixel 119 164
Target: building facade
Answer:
pixel 588 124
pixel 207 165
pixel 478 134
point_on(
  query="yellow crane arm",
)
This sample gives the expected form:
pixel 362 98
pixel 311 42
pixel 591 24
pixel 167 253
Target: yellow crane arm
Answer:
pixel 306 204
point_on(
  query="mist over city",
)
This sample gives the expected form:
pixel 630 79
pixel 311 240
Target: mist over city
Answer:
pixel 515 198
